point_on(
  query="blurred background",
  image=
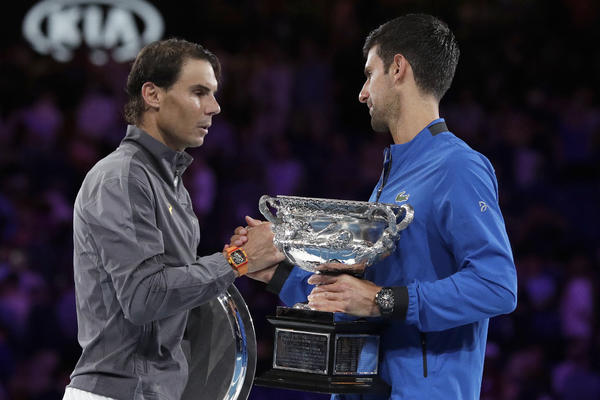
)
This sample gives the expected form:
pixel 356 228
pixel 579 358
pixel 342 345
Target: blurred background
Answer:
pixel 525 95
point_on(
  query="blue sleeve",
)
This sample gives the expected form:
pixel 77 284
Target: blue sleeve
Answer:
pixel 470 223
pixel 296 288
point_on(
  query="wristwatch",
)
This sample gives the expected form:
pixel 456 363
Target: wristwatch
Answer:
pixel 237 257
pixel 385 301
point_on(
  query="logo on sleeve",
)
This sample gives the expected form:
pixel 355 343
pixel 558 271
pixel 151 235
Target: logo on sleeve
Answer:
pixel 170 209
pixel 483 206
pixel 402 196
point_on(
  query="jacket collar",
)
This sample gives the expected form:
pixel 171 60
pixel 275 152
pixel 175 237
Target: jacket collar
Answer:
pixel 171 163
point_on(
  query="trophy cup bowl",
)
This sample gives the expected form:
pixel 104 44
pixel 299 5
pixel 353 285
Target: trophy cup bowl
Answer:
pixel 319 351
pixel 312 231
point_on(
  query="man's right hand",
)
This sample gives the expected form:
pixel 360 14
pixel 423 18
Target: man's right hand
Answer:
pixel 240 234
pixel 257 241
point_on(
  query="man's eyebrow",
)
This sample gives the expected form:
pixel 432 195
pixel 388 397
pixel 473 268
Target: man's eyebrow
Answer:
pixel 202 88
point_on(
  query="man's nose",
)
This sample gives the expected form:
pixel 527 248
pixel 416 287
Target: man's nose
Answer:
pixel 363 95
pixel 214 108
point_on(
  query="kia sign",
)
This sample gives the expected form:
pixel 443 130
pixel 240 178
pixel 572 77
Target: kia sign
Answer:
pixel 108 28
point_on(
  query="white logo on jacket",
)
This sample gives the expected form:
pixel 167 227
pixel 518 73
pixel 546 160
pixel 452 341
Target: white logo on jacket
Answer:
pixel 483 206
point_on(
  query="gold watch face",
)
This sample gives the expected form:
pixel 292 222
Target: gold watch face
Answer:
pixel 238 257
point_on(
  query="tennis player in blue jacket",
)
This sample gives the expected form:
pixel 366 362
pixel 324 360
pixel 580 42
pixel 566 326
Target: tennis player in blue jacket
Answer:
pixel 453 268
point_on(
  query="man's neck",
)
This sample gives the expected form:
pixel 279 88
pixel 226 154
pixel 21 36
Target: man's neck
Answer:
pixel 414 118
pixel 151 129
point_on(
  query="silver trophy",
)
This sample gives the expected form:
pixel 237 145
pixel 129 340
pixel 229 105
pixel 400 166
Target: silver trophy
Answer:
pixel 220 347
pixel 311 231
pixel 320 351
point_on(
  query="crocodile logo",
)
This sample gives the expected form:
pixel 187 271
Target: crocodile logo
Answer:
pixel 402 196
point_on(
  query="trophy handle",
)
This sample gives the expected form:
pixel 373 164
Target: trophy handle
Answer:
pixel 409 215
pixel 387 240
pixel 263 205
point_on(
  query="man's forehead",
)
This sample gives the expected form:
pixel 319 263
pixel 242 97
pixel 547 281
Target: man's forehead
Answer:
pixel 198 72
pixel 372 58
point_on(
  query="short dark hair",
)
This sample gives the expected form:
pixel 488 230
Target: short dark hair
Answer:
pixel 428 45
pixel 160 62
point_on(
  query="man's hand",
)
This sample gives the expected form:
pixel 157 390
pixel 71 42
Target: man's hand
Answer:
pixel 240 234
pixel 343 293
pixel 257 240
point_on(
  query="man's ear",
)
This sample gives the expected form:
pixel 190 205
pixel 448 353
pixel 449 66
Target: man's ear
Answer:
pixel 151 94
pixel 398 68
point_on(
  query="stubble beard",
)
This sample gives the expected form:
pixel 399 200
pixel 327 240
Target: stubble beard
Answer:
pixel 379 124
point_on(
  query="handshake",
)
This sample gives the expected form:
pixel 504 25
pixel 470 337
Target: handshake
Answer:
pixel 332 292
pixel 257 241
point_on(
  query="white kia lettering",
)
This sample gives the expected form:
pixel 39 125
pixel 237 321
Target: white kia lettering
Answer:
pixel 109 28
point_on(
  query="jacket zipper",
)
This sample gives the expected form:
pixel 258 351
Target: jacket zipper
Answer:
pixel 424 348
pixel 385 173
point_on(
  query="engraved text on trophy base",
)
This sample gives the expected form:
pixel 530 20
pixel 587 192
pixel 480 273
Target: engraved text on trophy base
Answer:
pixel 301 351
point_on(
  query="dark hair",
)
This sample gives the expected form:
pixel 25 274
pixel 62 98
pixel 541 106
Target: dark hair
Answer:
pixel 160 63
pixel 428 45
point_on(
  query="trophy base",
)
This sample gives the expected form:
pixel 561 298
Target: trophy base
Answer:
pixel 315 353
pixel 321 384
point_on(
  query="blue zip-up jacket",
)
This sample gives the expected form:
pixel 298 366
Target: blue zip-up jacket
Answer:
pixel 454 260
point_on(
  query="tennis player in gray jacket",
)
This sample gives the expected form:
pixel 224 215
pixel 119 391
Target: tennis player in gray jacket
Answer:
pixel 135 235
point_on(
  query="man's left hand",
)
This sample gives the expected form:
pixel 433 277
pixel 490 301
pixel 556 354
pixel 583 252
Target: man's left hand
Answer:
pixel 343 293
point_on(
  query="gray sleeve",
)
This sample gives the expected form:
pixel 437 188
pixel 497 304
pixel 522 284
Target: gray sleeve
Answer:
pixel 123 227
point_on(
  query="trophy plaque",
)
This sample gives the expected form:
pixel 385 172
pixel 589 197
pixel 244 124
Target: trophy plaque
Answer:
pixel 319 351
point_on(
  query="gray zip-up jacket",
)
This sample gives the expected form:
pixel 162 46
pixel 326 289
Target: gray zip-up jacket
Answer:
pixel 137 273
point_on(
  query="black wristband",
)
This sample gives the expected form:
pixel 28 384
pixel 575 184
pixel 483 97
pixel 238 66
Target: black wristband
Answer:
pixel 279 277
pixel 400 302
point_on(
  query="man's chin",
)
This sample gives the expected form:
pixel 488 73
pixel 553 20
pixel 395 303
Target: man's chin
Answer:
pixel 196 143
pixel 379 127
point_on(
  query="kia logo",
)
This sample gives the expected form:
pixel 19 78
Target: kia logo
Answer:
pixel 109 28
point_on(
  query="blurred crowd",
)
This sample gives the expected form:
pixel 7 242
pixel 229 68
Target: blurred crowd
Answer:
pixel 525 95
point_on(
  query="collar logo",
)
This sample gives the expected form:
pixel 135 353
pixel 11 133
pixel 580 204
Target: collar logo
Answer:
pixel 402 196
